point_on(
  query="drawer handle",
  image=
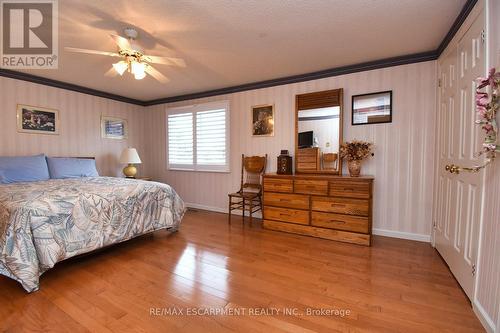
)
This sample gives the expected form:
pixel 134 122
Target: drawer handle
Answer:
pixel 284 200
pixel 284 214
pixel 350 189
pixel 337 221
pixel 337 205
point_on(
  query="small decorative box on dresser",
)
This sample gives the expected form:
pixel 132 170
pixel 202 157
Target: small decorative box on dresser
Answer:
pixel 332 207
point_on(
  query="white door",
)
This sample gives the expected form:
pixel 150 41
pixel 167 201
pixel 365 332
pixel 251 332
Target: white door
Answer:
pixel 459 197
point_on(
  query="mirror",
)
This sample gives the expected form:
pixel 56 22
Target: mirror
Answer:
pixel 318 132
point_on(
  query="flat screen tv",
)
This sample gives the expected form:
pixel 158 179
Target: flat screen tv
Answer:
pixel 306 139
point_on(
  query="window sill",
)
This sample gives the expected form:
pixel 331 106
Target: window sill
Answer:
pixel 203 171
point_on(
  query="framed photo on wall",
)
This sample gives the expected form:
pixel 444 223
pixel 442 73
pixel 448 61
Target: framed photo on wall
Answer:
pixel 114 128
pixel 373 108
pixel 37 120
pixel 263 120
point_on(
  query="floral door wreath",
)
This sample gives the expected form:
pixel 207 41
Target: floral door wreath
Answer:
pixel 487 105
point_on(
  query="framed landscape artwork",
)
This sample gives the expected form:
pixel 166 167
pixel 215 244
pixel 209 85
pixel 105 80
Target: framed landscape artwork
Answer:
pixel 38 120
pixel 114 128
pixel 263 120
pixel 373 108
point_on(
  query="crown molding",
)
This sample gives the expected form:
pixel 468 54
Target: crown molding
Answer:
pixel 467 8
pixel 67 86
pixel 366 66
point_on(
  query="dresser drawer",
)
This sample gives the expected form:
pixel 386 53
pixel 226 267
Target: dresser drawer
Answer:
pixel 341 205
pixel 340 222
pixel 307 166
pixel 308 186
pixel 278 185
pixel 286 215
pixel 351 189
pixel 286 200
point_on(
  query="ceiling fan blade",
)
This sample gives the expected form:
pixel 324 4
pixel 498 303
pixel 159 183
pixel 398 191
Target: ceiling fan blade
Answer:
pixel 111 72
pixel 75 49
pixel 156 74
pixel 166 61
pixel 122 42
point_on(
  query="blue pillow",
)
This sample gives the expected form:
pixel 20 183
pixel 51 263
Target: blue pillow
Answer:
pixel 23 169
pixel 64 167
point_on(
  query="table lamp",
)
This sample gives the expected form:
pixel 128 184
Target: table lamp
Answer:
pixel 130 156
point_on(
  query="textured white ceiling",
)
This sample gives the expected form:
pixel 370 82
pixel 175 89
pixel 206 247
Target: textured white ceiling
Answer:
pixel 228 43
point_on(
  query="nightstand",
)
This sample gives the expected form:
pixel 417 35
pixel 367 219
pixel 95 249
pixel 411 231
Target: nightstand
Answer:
pixel 144 178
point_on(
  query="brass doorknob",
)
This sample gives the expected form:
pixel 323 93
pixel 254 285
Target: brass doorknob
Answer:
pixel 452 168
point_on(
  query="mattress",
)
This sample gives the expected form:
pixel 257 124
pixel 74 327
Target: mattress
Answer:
pixel 45 222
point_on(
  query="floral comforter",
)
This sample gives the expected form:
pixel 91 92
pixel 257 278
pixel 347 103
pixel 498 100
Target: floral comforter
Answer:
pixel 42 223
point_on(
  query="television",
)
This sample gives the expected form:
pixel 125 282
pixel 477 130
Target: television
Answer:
pixel 306 139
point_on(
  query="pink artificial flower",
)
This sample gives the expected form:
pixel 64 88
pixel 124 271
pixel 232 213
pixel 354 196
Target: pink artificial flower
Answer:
pixel 488 81
pixel 482 99
pixel 482 111
pixel 489 146
pixel 482 82
pixel 492 76
pixel 488 128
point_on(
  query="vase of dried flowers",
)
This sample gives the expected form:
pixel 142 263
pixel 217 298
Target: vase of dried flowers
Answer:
pixel 354 167
pixel 355 152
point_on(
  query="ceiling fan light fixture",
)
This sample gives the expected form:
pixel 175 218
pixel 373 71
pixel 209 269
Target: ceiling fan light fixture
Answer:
pixel 133 58
pixel 137 68
pixel 140 76
pixel 120 67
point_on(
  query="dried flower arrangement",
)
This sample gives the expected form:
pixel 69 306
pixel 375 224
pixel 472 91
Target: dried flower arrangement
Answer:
pixel 356 150
pixel 487 105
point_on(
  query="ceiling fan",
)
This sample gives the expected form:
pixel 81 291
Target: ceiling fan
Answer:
pixel 133 58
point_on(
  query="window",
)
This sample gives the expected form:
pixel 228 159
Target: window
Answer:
pixel 198 137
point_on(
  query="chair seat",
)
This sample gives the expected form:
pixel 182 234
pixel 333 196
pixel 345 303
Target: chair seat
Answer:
pixel 245 195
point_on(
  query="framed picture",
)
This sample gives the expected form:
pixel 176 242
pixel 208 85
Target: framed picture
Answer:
pixel 34 119
pixel 374 108
pixel 263 120
pixel 114 128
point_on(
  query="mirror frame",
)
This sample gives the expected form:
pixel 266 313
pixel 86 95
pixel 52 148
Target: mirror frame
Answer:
pixel 315 100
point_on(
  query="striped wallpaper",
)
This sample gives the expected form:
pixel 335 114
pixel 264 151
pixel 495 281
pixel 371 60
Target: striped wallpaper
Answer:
pixel 404 153
pixel 80 133
pixel 487 298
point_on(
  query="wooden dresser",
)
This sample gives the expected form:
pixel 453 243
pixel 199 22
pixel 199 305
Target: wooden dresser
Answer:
pixel 332 207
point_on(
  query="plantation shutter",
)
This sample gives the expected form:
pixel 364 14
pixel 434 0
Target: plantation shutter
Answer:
pixel 198 137
pixel 211 139
pixel 180 140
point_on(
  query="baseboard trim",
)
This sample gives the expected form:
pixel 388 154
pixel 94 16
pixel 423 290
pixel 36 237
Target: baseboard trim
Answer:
pixel 483 317
pixel 380 232
pixel 219 210
pixel 402 235
pixel 204 207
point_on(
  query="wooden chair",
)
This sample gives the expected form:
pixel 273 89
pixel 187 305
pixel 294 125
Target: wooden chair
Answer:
pixel 250 193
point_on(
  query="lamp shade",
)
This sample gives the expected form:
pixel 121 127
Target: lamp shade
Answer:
pixel 130 156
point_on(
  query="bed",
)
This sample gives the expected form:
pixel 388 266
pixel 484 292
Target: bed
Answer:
pixel 45 222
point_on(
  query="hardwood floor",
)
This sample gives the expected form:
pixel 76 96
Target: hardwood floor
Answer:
pixel 393 286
